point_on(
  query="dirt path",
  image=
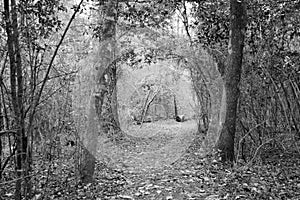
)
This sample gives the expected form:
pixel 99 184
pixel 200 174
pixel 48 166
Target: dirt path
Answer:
pixel 168 140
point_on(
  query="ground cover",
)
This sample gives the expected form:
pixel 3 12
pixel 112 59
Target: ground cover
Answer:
pixel 165 166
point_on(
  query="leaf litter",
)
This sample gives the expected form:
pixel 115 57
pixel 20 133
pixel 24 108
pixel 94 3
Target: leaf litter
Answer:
pixel 170 170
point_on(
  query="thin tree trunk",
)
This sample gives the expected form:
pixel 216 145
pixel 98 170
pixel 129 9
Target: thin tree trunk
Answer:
pixel 144 106
pixel 1 129
pixel 186 21
pixel 11 43
pixel 175 108
pixel 114 100
pixel 114 97
pixel 24 165
pixel 147 105
pixel 232 78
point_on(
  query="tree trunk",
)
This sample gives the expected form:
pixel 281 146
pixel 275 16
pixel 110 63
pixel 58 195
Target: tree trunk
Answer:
pixel 114 101
pixel 25 159
pixel 107 75
pixel 16 88
pixel 88 160
pixel 87 166
pixel 175 108
pixel 103 102
pixel 232 78
pixel 1 129
pixel 147 106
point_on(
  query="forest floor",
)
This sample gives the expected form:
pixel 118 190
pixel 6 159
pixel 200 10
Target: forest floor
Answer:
pixel 164 165
pixel 159 144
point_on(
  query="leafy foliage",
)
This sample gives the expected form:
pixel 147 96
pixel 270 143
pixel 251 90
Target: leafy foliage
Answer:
pixel 41 18
pixel 212 24
pixel 270 70
pixel 155 14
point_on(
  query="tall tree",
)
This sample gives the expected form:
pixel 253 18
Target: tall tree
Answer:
pixel 26 22
pixel 16 80
pixel 106 67
pixel 108 48
pixel 232 77
pixel 102 111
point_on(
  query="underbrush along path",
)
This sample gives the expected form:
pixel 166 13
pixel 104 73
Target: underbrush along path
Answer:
pixel 166 142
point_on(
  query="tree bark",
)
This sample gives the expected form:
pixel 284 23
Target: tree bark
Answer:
pixel 114 101
pixel 175 108
pixel 16 88
pixel 24 164
pixel 232 78
pixel 87 167
pixel 1 129
pixel 90 140
pixel 107 71
pixel 103 102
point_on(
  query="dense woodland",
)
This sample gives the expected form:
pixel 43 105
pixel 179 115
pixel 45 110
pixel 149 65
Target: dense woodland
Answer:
pixel 150 99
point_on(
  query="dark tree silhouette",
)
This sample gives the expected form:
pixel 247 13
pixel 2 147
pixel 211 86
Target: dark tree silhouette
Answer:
pixel 232 77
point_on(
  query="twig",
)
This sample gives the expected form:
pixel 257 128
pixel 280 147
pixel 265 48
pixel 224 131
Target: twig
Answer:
pixel 256 152
pixel 237 156
pixel 12 181
pixel 14 131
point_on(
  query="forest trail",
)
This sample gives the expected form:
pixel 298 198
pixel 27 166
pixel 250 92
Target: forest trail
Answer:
pixel 165 142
